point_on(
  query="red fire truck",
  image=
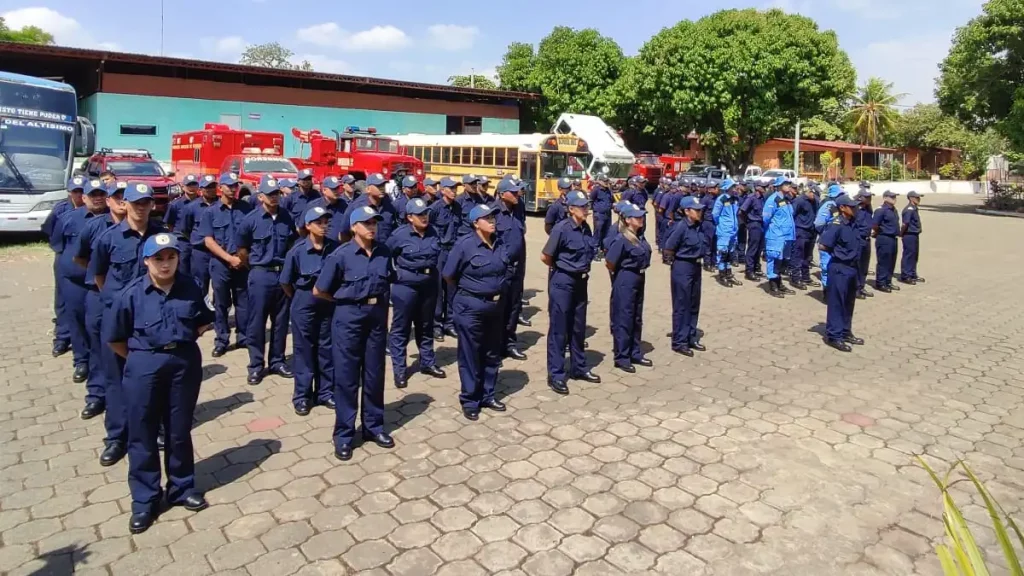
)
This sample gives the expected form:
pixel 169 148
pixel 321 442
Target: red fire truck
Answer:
pixel 653 166
pixel 675 165
pixel 356 151
pixel 218 148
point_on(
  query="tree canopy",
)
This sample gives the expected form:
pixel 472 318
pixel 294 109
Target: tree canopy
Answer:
pixel 272 55
pixel 926 126
pixel 872 114
pixel 982 78
pixel 474 81
pixel 24 35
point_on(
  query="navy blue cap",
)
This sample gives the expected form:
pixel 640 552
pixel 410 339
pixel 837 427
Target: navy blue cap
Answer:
pixel 889 194
pixel 269 185
pixel 690 202
pixel 447 182
pixel 304 173
pixel 313 214
pixel 409 182
pixel 158 242
pixel 564 183
pixel 287 182
pixel 136 191
pixel 77 183
pixel 331 182
pixel 117 187
pixel 228 179
pixel 509 186
pixel 481 211
pixel 207 181
pixel 189 179
pixel 348 179
pixel 376 179
pixel 577 198
pixel 363 214
pixel 631 210
pixel 416 206
pixel 428 181
pixel 913 194
pixel 620 205
pixel 484 181
pixel 470 179
pixel 845 200
pixel 865 184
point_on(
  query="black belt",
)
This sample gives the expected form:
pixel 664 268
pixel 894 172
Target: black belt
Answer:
pixel 634 270
pixel 371 301
pixel 888 235
pixel 694 260
pixel 576 275
pixel 271 267
pixel 427 270
pixel 484 297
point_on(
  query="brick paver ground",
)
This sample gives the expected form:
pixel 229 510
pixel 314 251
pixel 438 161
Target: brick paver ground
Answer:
pixel 768 454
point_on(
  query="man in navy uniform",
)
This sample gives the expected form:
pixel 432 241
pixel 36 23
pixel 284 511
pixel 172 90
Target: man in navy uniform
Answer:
pixel 911 233
pixel 840 240
pixel 375 198
pixel 61 332
pixel 295 204
pixel 446 218
pixel 886 223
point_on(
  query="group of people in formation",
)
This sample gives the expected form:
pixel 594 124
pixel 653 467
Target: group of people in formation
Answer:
pixel 334 262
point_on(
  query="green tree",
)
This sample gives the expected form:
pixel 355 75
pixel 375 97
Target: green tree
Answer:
pixel 827 125
pixel 737 77
pixel 272 55
pixel 475 81
pixel 515 68
pixel 872 114
pixel 925 126
pixel 24 35
pixel 982 78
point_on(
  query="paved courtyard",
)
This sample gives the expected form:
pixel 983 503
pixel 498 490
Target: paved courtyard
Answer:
pixel 768 454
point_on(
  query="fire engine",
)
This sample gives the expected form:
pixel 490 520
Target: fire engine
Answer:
pixel 653 166
pixel 356 151
pixel 134 164
pixel 218 148
pixel 674 165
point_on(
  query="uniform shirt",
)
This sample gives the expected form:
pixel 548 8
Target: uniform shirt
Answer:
pixel 117 256
pixel 708 202
pixel 446 218
pixel 571 246
pixel 656 198
pixel 148 319
pixel 386 209
pixel 887 220
pixel 415 257
pixel 64 241
pixel 803 213
pixel 303 263
pixel 726 215
pixel 912 219
pixel 335 210
pixel 351 275
pixel 686 241
pixel 519 211
pixel 670 203
pixel 296 203
pixel 87 239
pixel 191 221
pixel 474 268
pixel 511 231
pixel 841 241
pixel 827 213
pixel 778 218
pixel 557 211
pixel 753 208
pixel 624 255
pixel 601 200
pixel 637 196
pixel 862 222
pixel 175 212
pixel 222 222
pixel 266 236
pixel 466 202
pixel 59 209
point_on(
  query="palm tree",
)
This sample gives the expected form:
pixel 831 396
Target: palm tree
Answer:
pixel 872 113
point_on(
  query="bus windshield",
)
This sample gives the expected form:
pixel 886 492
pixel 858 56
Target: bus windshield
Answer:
pixel 37 127
pixel 615 169
pixel 560 164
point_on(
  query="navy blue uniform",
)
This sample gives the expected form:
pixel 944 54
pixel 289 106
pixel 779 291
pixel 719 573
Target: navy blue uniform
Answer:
pixel 64 241
pixel 572 248
pixel 191 223
pixel 388 213
pixel 512 232
pixel 639 197
pixel 360 285
pixel 668 205
pixel 96 384
pixel 174 220
pixel 446 219
pixel 911 243
pixel 707 227
pixel 841 241
pixel 337 213
pixel 312 360
pixel 413 295
pixel 751 211
pixel 863 224
pixel 479 276
pixel 686 245
pixel 557 211
pixel 804 212
pixel 629 263
pixel 466 202
pixel 61 332
pixel 230 287
pixel 162 374
pixel 601 200
pixel 296 203
pixel 887 224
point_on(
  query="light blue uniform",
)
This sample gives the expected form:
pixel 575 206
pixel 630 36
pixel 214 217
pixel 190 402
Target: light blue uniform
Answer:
pixel 727 224
pixel 827 214
pixel 779 230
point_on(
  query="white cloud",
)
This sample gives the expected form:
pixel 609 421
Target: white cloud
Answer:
pixel 377 39
pixel 910 63
pixel 225 49
pixel 452 37
pixel 326 64
pixel 229 45
pixel 66 31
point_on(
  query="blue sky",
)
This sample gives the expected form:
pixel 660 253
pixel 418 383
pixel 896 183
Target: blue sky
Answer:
pixel 900 40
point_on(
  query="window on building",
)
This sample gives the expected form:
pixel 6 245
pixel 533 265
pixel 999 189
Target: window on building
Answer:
pixel 865 159
pixel 138 130
pixel 472 125
pixel 488 156
pixel 453 125
pixel 477 156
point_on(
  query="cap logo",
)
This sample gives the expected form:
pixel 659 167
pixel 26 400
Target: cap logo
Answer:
pixel 141 188
pixel 271 182
pixel 378 175
pixel 367 210
pixel 318 210
pixel 232 175
pixel 78 181
pixel 418 203
pixel 122 185
pixel 163 239
pixel 95 183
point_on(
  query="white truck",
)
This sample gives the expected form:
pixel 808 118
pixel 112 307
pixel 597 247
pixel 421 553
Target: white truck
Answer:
pixel 610 155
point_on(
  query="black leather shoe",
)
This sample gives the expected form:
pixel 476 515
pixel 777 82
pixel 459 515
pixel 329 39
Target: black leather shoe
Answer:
pixel 194 502
pixel 471 414
pixel 92 410
pixel 492 404
pixel 140 522
pixel 812 283
pixel 732 280
pixel 81 373
pixel 438 336
pixel 401 381
pixel 382 440
pixel 894 288
pixel 524 322
pixel 525 301
pixel 785 289
pixel 558 387
pixel 60 348
pixel 918 279
pixel 160 442
pixel 588 376
pixel 433 372
pixel 283 371
pixel 751 277
pixel 838 345
pixel 450 332
pixel 302 407
pixel 645 362
pixel 329 403
pixel 628 368
pixel 685 351
pixel 219 351
pixel 343 452
pixel 112 454
pixel 255 377
pixel 851 339
pixel 696 345
pixel 861 295
pixel 883 289
pixel 515 354
pixel 774 291
pixel 910 281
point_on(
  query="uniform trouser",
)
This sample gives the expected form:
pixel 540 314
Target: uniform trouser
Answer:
pixel 230 287
pixel 445 294
pixel 863 263
pixel 659 230
pixel 266 301
pixel 412 307
pixel 725 244
pixel 755 246
pixel 61 332
pixel 840 298
pixel 479 347
pixel 908 264
pixel 161 386
pixel 708 230
pixel 115 419
pixel 200 267
pixel 185 257
pixel 803 248
pixel 686 288
pixel 567 309
pixel 741 244
pixel 627 314
pixel 359 339
pixel 885 264
pixel 96 383
pixel 513 307
pixel 602 223
pixel 775 251
pixel 74 293
pixel 312 360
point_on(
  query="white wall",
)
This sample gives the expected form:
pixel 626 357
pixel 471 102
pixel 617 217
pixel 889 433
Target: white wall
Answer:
pixel 923 187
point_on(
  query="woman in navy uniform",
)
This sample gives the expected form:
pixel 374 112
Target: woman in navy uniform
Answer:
pixel 840 239
pixel 415 250
pixel 569 251
pixel 512 231
pixel 445 217
pixel 312 361
pixel 886 228
pixel 684 251
pixel 911 233
pixel 156 321
pixel 357 278
pixel 477 270
pixel 628 257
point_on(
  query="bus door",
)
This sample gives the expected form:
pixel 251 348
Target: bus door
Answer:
pixel 528 174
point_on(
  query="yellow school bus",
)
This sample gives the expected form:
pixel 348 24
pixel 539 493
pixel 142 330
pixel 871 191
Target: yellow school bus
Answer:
pixel 538 159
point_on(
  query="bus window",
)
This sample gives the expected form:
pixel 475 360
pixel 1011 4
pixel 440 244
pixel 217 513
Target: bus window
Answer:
pixel 417 152
pixel 528 166
pixel 445 155
pixel 467 156
pixel 513 158
pixel 488 156
pixel 499 157
pixel 478 156
pixel 552 165
pixel 456 156
pixel 435 155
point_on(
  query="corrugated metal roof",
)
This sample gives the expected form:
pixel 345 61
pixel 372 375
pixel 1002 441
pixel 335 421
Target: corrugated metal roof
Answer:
pixel 836 145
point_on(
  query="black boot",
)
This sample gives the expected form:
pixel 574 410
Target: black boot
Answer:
pixel 774 287
pixel 732 278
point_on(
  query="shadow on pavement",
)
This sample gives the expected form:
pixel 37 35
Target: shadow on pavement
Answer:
pixel 408 407
pixel 510 382
pixel 213 409
pixel 211 370
pixel 61 561
pixel 231 464
pixel 528 339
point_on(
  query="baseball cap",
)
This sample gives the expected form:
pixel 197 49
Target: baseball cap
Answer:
pixel 481 211
pixel 428 181
pixel 304 174
pixel 158 242
pixel 416 206
pixel 376 179
pixel 631 210
pixel 889 194
pixel 362 214
pixel 136 191
pixel 331 182
pixel 189 180
pixel 690 203
pixel 228 179
pixel 447 182
pixel 315 213
pixel 577 198
pixel 470 178
pixel 348 179
pixel 269 185
pixel 77 183
pixel 564 183
pixel 409 182
pixel 913 194
pixel 727 184
pixel 845 200
pixel 509 186
pixel 207 181
pixel 96 186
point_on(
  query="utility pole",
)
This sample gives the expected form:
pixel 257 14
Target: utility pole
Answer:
pixel 161 27
pixel 796 151
pixel 472 77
